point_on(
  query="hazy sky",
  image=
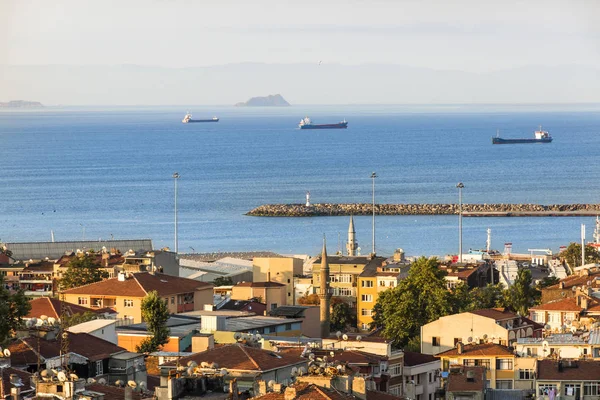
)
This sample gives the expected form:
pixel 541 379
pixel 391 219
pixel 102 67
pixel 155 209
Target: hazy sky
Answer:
pixel 476 35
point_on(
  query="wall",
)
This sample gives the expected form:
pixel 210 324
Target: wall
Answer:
pixel 119 307
pixel 130 341
pixel 311 325
pixel 364 321
pixel 108 333
pixel 278 269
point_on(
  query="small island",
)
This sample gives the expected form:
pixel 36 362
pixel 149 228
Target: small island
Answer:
pixel 21 104
pixel 273 100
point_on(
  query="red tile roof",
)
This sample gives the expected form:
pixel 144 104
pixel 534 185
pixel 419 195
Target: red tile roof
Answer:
pixel 112 392
pixel 479 350
pixel 412 358
pixel 579 370
pixel 457 381
pixel 376 395
pixel 52 308
pixel 24 351
pixel 308 391
pixel 497 314
pixel 577 280
pixel 567 304
pixel 240 357
pixel 139 284
pixel 5 384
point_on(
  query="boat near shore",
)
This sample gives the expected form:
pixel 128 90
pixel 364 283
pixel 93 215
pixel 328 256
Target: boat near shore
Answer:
pixel 306 123
pixel 188 119
pixel 540 136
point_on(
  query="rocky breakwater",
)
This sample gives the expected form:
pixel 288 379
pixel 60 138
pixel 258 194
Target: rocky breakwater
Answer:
pixel 469 210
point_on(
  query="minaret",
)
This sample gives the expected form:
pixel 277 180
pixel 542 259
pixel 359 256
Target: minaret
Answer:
pixel 351 245
pixel 324 293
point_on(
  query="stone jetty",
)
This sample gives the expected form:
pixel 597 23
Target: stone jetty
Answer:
pixel 469 210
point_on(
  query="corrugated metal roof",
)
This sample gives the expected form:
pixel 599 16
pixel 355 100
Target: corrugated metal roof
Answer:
pixel 54 250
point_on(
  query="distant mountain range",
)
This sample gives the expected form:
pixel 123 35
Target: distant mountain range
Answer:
pixel 21 104
pixel 272 100
pixel 302 84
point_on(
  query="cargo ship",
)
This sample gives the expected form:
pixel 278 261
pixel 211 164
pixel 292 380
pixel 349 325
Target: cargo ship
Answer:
pixel 188 119
pixel 540 137
pixel 306 123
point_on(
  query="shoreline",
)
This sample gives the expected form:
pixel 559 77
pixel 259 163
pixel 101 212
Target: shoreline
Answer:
pixel 469 210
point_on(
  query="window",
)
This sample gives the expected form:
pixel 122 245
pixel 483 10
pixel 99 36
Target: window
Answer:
pixel 99 368
pixel 273 306
pixel 545 388
pixel 367 312
pixel 435 341
pixel 591 388
pixel 570 389
pixel 172 300
pixel 396 370
pixel 430 375
pixel 525 374
pixel 570 316
pixel 367 297
pixel 382 283
pixel 504 363
pixel 532 351
pixel 554 317
pixel 82 301
pixel 538 317
pixel 365 327
pixel 341 278
pixel 419 379
pixel 288 281
pixel 504 384
pixel 477 362
pixel 128 303
pixel 368 283
pixel 288 327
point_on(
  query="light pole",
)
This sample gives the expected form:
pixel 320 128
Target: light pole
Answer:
pixel 373 176
pixel 460 187
pixel 176 177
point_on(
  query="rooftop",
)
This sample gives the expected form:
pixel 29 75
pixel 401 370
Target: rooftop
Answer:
pixel 256 322
pixel 289 311
pixel 478 350
pixel 54 250
pixel 139 284
pixel 458 381
pixel 260 284
pixel 51 307
pixel 308 391
pixel 5 374
pixel 577 370
pixel 240 357
pixel 497 314
pixel 412 358
pixel 566 304
pixel 90 326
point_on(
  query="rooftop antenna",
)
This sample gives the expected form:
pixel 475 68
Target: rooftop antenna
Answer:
pixel 52 235
pixel 63 334
pixel 582 244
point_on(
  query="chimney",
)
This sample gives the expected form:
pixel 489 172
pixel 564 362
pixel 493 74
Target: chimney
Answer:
pixel 262 388
pixel 584 302
pixel 290 393
pixel 561 285
pixel 459 347
pixel 277 388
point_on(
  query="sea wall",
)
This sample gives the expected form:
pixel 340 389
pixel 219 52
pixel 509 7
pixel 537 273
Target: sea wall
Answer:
pixel 469 210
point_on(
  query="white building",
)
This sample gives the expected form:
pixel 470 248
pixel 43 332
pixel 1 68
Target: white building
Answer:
pixel 101 328
pixel 421 375
pixel 507 271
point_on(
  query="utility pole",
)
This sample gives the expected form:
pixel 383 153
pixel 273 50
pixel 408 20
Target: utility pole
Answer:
pixel 460 187
pixel 373 176
pixel 176 177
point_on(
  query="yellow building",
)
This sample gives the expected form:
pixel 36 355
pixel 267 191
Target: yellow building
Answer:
pixel 273 294
pixel 278 269
pixel 374 279
pixel 124 294
pixel 498 360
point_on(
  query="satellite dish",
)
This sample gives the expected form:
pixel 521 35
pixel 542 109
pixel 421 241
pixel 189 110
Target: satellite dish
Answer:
pixel 142 385
pixel 30 323
pixel 91 380
pixel 39 322
pixel 73 376
pixel 102 381
pixel 237 336
pixel 51 320
pixel 301 371
pixel 338 334
pixel 476 339
pixel 311 356
pixel 345 337
pixel 192 364
pixel 485 336
pixel 44 317
pixel 547 327
pixel 214 365
pixel 258 336
pixel 224 371
pixel 45 372
pixel 469 339
pixel 271 383
pixel 204 364
pixel 545 343
pixel 62 376
pixel 294 370
pixel 190 371
pixel 358 338
pixel 119 383
pixel 331 353
pixel 6 353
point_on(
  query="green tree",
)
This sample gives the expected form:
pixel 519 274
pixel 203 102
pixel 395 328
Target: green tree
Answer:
pixel 76 319
pixel 82 270
pixel 417 300
pixel 310 299
pixel 342 316
pixel 548 281
pixel 223 281
pixel 155 314
pixel 522 294
pixel 489 296
pixel 13 307
pixel 572 255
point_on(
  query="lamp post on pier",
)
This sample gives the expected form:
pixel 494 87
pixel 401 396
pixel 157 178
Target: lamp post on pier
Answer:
pixel 176 177
pixel 373 176
pixel 460 187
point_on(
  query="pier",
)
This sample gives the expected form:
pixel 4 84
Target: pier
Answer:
pixel 469 210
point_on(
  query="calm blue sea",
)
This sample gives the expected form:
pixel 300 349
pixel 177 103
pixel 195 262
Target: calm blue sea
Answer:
pixel 97 173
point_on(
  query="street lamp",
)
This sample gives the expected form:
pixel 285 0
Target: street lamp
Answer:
pixel 373 176
pixel 176 177
pixel 460 186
